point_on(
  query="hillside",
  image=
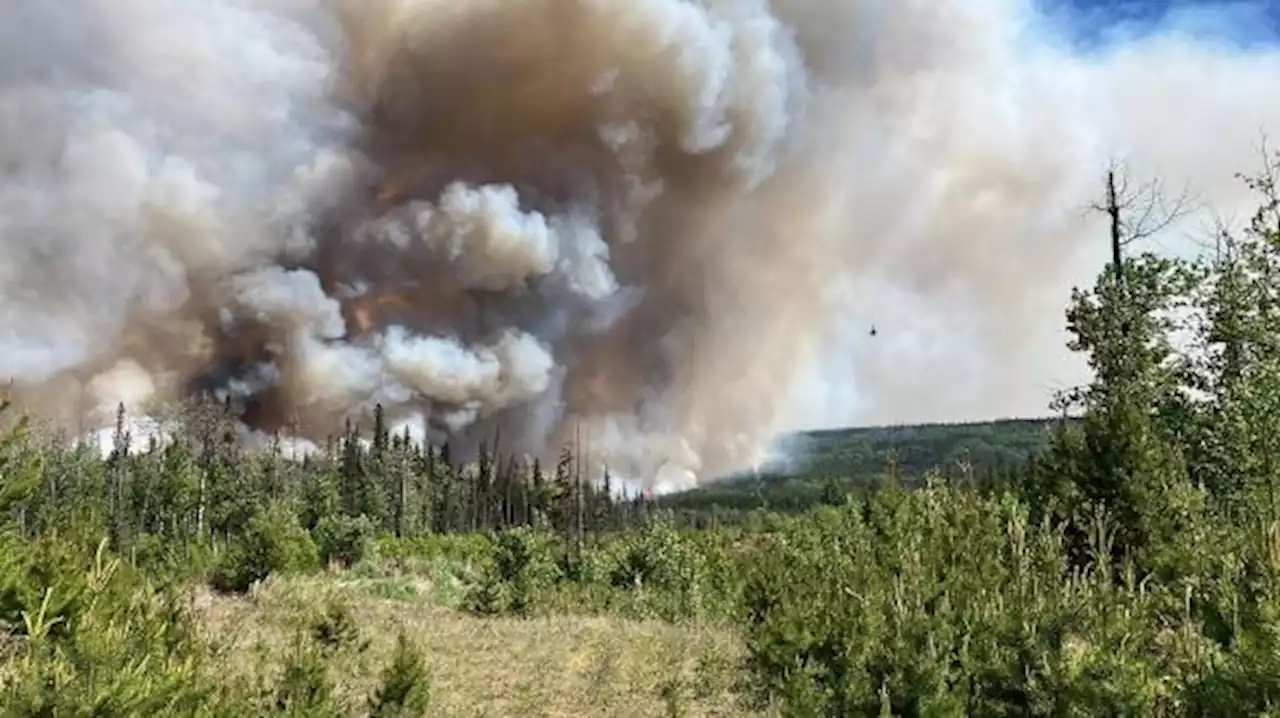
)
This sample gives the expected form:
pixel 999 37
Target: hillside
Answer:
pixel 855 458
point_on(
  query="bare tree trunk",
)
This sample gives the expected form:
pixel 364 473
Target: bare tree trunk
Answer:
pixel 200 500
pixel 578 498
pixel 1117 239
pixel 401 494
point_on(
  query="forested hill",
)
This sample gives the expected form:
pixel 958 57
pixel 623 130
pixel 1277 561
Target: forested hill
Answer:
pixel 855 458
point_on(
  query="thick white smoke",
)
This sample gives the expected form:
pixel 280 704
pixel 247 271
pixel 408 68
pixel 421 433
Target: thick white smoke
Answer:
pixel 977 137
pixel 663 226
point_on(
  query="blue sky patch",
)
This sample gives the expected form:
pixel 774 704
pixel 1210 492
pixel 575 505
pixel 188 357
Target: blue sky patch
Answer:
pixel 1095 24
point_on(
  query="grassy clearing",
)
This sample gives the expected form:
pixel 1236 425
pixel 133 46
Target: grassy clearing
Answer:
pixel 552 666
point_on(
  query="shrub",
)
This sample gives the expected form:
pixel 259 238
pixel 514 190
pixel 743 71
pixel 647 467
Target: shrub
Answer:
pixel 658 562
pixel 336 629
pixel 345 540
pixel 405 690
pixel 525 561
pixel 488 596
pixel 45 577
pixel 945 602
pixel 305 689
pixel 273 542
pixel 125 647
pixel 101 640
pixel 654 556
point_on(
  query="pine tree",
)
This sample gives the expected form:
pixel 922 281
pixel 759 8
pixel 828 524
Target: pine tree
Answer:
pixel 405 690
pixel 1121 456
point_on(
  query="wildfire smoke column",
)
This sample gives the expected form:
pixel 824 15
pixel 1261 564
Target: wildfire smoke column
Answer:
pixel 522 216
pixel 656 225
pixel 609 180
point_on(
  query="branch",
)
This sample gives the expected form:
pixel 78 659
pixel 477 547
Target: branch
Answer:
pixel 1144 209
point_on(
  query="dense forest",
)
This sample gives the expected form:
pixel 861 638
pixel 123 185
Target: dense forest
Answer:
pixel 1124 562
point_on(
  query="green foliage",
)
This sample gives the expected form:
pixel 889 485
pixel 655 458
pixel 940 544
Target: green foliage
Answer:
pixel 828 464
pixel 653 571
pixel 336 630
pixel 657 561
pixel 488 595
pixel 94 636
pixel 945 602
pixel 304 689
pixel 467 549
pixel 21 468
pixel 405 690
pixel 42 578
pixel 525 561
pixel 1121 455
pixel 273 542
pixel 345 540
pixel 655 556
pixel 100 638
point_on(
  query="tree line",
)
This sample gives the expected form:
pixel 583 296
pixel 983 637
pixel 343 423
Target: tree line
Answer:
pixel 202 485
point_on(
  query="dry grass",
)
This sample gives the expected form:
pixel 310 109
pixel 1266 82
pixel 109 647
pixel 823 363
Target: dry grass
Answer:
pixel 502 667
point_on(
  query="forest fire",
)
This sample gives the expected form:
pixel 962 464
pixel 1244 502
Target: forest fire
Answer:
pixel 654 220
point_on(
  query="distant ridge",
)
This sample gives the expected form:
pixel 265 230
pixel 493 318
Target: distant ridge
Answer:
pixel 809 463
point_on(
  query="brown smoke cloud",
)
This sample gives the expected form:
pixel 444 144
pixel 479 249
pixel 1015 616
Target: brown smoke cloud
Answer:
pixel 662 225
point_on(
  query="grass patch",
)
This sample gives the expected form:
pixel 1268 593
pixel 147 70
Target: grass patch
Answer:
pixel 546 666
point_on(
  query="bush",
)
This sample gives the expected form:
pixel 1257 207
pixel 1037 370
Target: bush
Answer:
pixel 525 561
pixel 101 639
pixel 945 602
pixel 656 557
pixel 273 542
pixel 336 630
pixel 345 540
pixel 305 689
pixel 86 633
pixel 46 577
pixel 659 563
pixel 405 690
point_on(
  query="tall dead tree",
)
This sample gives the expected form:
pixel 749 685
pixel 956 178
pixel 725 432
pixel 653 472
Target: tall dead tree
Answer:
pixel 1136 212
pixel 1117 234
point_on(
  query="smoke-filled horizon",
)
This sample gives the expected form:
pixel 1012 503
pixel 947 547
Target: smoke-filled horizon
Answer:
pixel 662 226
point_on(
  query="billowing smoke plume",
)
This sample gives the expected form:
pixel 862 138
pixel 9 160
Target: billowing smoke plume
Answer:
pixel 648 224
